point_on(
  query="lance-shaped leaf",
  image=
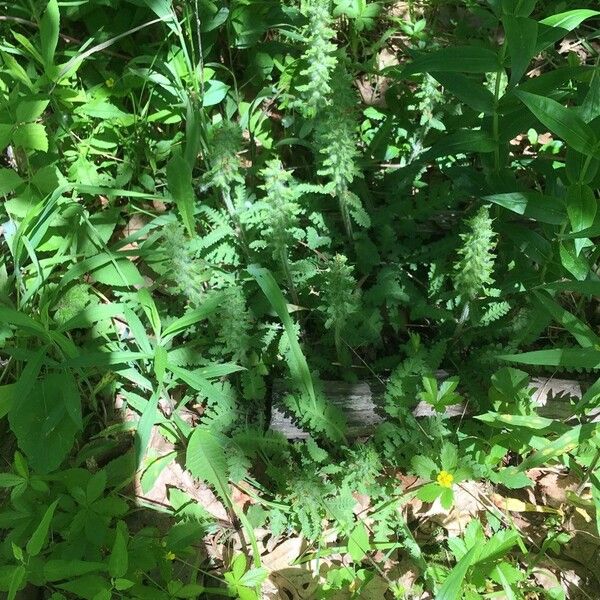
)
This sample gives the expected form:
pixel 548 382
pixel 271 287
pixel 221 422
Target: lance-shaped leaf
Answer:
pixel 563 122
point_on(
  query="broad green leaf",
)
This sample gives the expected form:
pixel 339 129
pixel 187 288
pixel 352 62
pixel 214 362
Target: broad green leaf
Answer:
pixel 570 19
pixel 590 109
pixel 49 30
pixel 16 70
pixel 155 468
pixel 555 27
pixel 46 419
pixel 520 8
pixel 587 288
pixel 8 480
pixel 164 11
pixel 38 537
pixel 582 207
pixel 9 181
pixel 31 109
pixel 424 466
pixel 179 182
pixel 90 587
pixel 521 36
pixel 473 94
pixel 95 486
pixel 461 59
pixel 584 334
pixel 20 319
pixel 579 168
pixel 358 542
pixel 118 272
pixel 101 109
pixel 461 142
pixel 118 562
pixel 26 382
pixel 572 261
pixel 60 569
pixel 214 93
pixel 563 122
pixel 93 314
pixel 193 133
pixel 31 136
pixel 534 205
pixel 511 478
pixel 449 456
pixel 205 459
pixel 582 358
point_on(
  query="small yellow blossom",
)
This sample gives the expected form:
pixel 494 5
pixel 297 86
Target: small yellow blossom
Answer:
pixel 445 479
pixel 170 556
pixel 110 82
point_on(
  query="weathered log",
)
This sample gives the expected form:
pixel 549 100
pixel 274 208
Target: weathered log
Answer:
pixel 362 404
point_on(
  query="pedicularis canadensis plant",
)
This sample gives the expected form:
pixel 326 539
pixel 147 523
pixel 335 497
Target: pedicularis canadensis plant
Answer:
pixel 349 221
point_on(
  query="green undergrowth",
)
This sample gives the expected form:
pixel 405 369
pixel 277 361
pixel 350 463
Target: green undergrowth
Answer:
pixel 200 198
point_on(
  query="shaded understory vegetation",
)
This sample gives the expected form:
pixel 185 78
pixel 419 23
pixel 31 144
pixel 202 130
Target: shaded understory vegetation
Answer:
pixel 209 209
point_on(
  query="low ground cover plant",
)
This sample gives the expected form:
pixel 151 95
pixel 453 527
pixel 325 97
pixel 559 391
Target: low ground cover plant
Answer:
pixel 210 209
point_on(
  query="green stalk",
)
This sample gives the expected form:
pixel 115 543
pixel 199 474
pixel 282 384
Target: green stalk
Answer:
pixel 495 123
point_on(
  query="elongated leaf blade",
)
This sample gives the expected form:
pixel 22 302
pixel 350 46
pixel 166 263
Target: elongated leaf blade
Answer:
pixel 179 182
pixel 209 306
pixel 562 121
pixel 584 334
pixel 144 428
pixel 521 35
pixel 534 205
pixel 49 30
pixel 562 445
pixel 582 358
pixel 38 537
pixel 451 588
pixel 461 59
pixel 468 91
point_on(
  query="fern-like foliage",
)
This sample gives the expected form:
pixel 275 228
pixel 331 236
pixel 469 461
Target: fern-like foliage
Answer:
pixel 319 58
pixel 336 137
pixel 403 384
pixel 340 300
pixel 279 216
pixel 474 269
pixel 184 268
pixel 225 143
pixel 234 324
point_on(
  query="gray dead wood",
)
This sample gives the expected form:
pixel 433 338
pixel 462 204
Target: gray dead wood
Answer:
pixel 362 402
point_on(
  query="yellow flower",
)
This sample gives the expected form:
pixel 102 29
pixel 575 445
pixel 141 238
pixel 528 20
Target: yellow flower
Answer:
pixel 110 82
pixel 445 479
pixel 170 556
